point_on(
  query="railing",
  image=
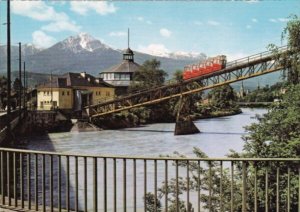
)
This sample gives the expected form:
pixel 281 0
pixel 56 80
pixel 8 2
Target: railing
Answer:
pixel 14 121
pixel 48 181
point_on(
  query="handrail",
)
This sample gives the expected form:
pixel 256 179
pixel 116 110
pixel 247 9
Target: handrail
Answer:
pixel 53 181
pixel 143 157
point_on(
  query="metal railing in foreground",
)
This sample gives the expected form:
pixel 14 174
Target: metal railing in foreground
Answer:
pixel 50 181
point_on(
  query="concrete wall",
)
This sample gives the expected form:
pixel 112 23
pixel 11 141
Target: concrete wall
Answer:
pixel 46 121
pixel 13 124
pixel 65 98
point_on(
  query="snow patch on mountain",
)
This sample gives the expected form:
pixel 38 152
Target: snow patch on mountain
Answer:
pixel 82 42
pixel 186 55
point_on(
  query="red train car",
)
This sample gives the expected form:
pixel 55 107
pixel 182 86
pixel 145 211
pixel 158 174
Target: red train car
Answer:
pixel 208 66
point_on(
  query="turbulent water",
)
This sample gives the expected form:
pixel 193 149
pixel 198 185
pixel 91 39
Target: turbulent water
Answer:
pixel 217 136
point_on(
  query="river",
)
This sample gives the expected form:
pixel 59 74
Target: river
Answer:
pixel 217 137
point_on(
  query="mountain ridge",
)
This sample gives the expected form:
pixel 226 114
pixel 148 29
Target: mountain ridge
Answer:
pixel 83 52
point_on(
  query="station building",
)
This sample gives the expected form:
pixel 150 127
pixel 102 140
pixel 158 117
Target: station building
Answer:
pixel 120 76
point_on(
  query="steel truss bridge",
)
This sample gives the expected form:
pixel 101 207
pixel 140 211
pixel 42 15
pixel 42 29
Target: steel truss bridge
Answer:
pixel 241 69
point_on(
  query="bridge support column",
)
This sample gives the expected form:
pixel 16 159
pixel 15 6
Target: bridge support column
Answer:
pixel 184 124
pixel 185 127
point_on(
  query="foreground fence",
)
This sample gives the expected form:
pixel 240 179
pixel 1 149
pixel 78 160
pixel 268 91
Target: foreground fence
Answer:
pixel 50 181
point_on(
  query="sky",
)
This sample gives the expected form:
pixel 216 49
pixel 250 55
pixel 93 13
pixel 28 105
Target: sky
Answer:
pixel 234 28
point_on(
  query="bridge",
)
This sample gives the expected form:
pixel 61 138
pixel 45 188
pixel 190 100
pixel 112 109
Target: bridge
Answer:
pixel 15 118
pixel 237 70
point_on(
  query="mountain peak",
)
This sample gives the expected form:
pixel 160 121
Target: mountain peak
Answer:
pixel 82 42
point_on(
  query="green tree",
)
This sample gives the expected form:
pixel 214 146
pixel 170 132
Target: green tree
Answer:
pixel 149 75
pixel 150 203
pixel 17 85
pixel 222 97
pixel 178 75
pixel 291 58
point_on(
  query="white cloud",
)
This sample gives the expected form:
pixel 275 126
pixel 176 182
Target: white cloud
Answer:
pixel 248 26
pixel 252 1
pixel 100 7
pixel 117 34
pixel 62 26
pixel 155 49
pixel 213 23
pixel 39 38
pixel 39 10
pixel 254 20
pixel 276 20
pixel 165 32
pixel 140 18
pixel 283 19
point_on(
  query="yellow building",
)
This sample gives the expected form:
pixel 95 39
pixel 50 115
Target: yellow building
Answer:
pixel 73 91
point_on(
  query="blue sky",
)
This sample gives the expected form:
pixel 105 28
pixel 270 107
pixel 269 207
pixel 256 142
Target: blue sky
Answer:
pixel 236 29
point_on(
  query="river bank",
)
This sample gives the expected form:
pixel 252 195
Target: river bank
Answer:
pixel 145 116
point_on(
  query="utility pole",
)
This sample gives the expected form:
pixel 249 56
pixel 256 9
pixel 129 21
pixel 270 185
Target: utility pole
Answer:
pixel 24 88
pixel 51 92
pixel 8 68
pixel 0 31
pixel 20 80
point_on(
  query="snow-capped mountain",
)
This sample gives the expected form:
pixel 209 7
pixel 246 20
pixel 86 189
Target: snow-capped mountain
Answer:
pixel 187 55
pixel 30 49
pixel 80 43
pixel 85 53
pixel 27 51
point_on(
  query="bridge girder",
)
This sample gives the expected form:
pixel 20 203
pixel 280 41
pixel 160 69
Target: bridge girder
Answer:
pixel 234 72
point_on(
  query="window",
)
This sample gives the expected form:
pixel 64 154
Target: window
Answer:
pixel 68 93
pixel 63 93
pixel 107 93
pixel 117 76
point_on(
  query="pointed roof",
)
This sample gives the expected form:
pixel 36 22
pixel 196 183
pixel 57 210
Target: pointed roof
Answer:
pixel 124 67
